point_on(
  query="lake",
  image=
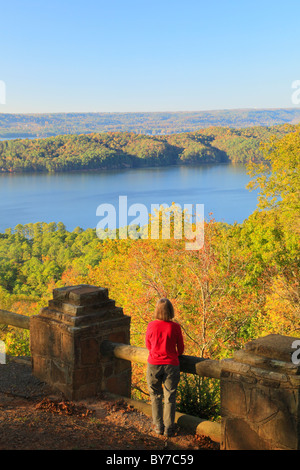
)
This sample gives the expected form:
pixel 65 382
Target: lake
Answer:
pixel 73 198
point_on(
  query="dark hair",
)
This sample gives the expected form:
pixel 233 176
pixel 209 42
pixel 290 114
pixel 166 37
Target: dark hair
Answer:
pixel 164 310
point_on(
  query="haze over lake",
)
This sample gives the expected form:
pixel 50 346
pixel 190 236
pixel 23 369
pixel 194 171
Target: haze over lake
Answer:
pixel 73 198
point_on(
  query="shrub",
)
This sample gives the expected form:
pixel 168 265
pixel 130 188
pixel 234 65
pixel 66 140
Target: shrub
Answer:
pixel 199 396
pixel 17 342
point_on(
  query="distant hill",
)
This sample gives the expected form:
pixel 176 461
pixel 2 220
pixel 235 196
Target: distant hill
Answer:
pixel 47 125
pixel 131 150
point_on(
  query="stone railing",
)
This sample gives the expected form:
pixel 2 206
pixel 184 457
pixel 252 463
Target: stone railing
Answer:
pixel 14 319
pixel 188 364
pixel 80 345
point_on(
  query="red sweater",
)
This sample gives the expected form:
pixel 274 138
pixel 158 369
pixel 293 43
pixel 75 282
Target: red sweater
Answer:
pixel 164 341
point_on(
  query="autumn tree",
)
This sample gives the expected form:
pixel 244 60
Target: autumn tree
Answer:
pixel 272 231
pixel 277 177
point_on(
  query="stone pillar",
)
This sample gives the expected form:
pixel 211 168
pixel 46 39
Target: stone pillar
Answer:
pixel 65 341
pixel 260 397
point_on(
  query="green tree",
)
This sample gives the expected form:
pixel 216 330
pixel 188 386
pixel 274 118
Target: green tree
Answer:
pixel 277 178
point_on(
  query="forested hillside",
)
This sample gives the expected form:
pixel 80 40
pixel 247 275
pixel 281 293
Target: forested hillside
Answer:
pixel 47 125
pixel 125 149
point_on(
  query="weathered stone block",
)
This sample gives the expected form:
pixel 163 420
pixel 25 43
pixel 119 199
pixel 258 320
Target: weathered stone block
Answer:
pixel 89 351
pixel 86 375
pixel 59 373
pixel 39 331
pixel 108 370
pixel 80 295
pixel 41 367
pixel 273 346
pixel 119 337
pixel 260 396
pixel 120 385
pixel 240 436
pixel 121 365
pixel 66 338
pixel 68 351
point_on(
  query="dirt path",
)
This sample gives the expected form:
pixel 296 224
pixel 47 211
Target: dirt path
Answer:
pixel 32 417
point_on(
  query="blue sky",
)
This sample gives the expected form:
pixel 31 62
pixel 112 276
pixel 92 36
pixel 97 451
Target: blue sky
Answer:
pixel 130 56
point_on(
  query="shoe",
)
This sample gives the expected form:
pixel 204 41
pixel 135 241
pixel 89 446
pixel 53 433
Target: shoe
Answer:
pixel 158 430
pixel 169 433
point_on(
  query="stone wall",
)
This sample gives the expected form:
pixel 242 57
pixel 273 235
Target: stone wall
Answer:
pixel 65 341
pixel 260 397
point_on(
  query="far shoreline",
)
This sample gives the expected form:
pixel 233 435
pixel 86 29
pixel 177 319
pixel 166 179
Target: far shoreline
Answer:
pixel 122 168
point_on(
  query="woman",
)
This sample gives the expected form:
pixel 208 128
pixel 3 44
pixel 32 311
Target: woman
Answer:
pixel 165 343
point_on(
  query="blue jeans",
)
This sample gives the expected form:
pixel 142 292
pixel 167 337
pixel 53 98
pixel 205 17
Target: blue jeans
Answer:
pixel 162 383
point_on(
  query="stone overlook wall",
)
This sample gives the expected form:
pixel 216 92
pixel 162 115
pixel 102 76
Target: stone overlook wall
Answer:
pixel 65 341
pixel 260 396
